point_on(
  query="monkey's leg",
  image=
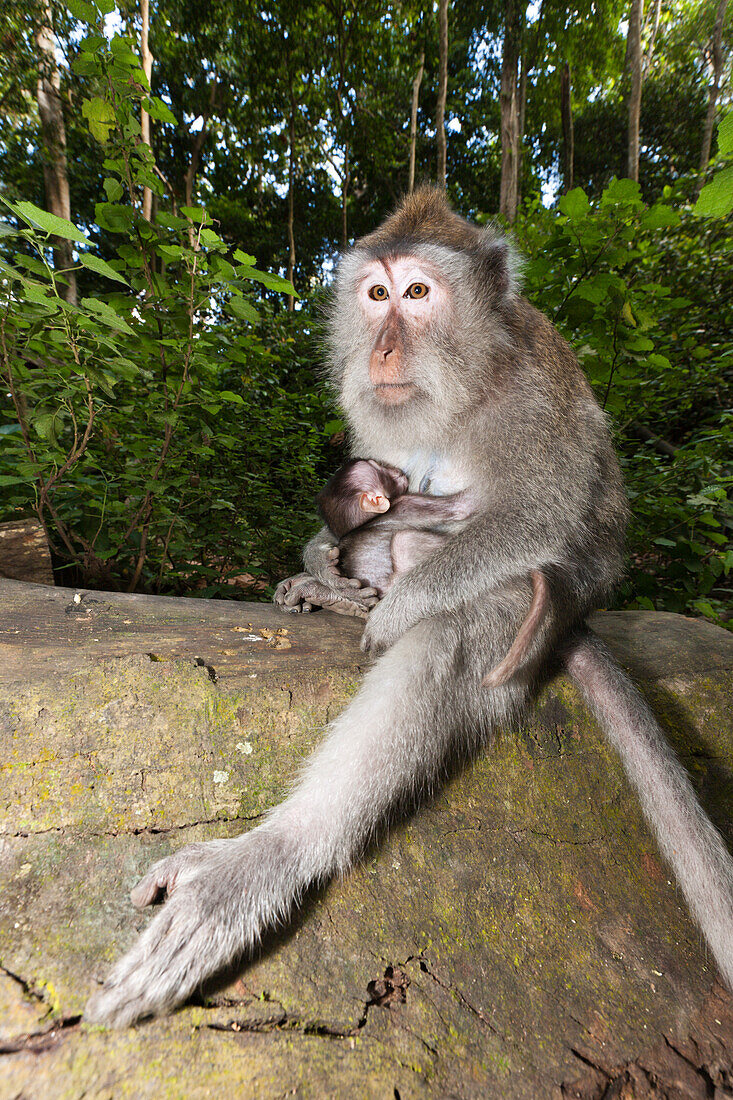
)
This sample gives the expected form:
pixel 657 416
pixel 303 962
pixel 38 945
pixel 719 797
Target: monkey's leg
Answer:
pixel 419 705
pixel 408 548
pixel 687 838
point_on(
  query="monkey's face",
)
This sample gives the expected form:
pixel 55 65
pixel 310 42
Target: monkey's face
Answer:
pixel 413 327
pixel 400 301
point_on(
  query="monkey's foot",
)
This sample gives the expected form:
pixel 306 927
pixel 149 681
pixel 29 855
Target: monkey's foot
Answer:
pixel 206 923
pixel 303 592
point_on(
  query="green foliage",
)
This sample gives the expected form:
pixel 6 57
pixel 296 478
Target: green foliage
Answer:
pixel 139 423
pixel 169 429
pixel 645 295
pixel 716 197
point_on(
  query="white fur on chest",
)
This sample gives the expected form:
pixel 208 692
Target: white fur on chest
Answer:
pixel 438 474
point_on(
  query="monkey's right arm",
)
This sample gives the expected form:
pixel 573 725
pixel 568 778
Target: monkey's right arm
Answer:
pixel 322 585
pixel 494 549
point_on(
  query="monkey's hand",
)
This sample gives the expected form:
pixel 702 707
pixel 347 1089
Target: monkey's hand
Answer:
pixel 383 628
pixel 322 585
pixel 303 592
pixel 213 913
pixel 321 561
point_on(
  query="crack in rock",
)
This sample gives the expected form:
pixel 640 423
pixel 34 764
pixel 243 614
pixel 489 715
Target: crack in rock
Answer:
pixel 140 830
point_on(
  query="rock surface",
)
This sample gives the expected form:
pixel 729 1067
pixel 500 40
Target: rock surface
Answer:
pixel 518 937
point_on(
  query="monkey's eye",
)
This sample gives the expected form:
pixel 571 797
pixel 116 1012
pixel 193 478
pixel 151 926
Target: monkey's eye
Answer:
pixel 379 293
pixel 417 290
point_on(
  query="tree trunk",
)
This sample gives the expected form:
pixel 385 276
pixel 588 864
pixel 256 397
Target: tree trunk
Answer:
pixel 344 196
pixel 413 121
pixel 147 64
pixel 715 62
pixel 291 203
pixel 198 141
pixel 652 37
pixel 634 59
pixel 509 191
pixel 442 92
pixel 53 137
pixel 568 137
pixel 522 114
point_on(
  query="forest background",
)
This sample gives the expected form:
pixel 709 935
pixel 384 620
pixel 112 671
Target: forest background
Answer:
pixel 177 178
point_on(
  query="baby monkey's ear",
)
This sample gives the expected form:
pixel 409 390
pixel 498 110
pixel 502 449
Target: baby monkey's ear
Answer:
pixel 373 502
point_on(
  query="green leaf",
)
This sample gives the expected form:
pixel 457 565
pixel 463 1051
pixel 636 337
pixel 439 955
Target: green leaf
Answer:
pixel 716 197
pixel 114 189
pixel 660 217
pixel 7 230
pixel 170 221
pixel 195 213
pixel 113 216
pixel 241 308
pixel 244 258
pixel 234 398
pixel 622 191
pixel 59 227
pixel 85 65
pixel 5 480
pixel 210 238
pixel 272 282
pixel 94 263
pixel 100 116
pixel 105 313
pixel 725 136
pixel 106 6
pixel 46 427
pixel 123 52
pixel 160 111
pixel 35 293
pixel 575 204
pixel 87 13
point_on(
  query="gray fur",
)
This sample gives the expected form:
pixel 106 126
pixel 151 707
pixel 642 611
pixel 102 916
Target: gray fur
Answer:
pixel 500 408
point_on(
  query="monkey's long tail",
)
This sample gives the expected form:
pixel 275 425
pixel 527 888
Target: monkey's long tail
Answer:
pixel 687 838
pixel 527 631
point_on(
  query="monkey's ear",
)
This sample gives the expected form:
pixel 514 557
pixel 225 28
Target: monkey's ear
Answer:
pixel 373 502
pixel 500 267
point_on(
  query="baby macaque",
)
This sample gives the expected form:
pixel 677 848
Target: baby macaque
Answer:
pixel 384 531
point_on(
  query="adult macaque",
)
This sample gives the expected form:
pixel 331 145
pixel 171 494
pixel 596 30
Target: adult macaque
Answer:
pixel 445 372
pixel 384 531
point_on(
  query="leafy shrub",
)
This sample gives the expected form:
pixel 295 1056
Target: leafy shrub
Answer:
pixel 645 295
pixel 163 432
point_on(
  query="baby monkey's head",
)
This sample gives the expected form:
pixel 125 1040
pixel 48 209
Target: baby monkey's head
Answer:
pixel 358 491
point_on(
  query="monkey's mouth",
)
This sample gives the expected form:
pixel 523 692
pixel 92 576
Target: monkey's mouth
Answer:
pixel 393 393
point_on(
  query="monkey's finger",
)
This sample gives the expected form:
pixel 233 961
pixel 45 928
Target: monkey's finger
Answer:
pixel 338 580
pixel 344 607
pixel 285 586
pixel 163 877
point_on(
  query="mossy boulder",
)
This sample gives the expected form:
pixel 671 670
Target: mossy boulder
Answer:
pixel 518 936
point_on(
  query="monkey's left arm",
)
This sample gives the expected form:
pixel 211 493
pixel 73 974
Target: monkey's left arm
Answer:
pixel 491 550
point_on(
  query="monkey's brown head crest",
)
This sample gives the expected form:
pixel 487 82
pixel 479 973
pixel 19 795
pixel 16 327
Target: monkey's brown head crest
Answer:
pixel 424 217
